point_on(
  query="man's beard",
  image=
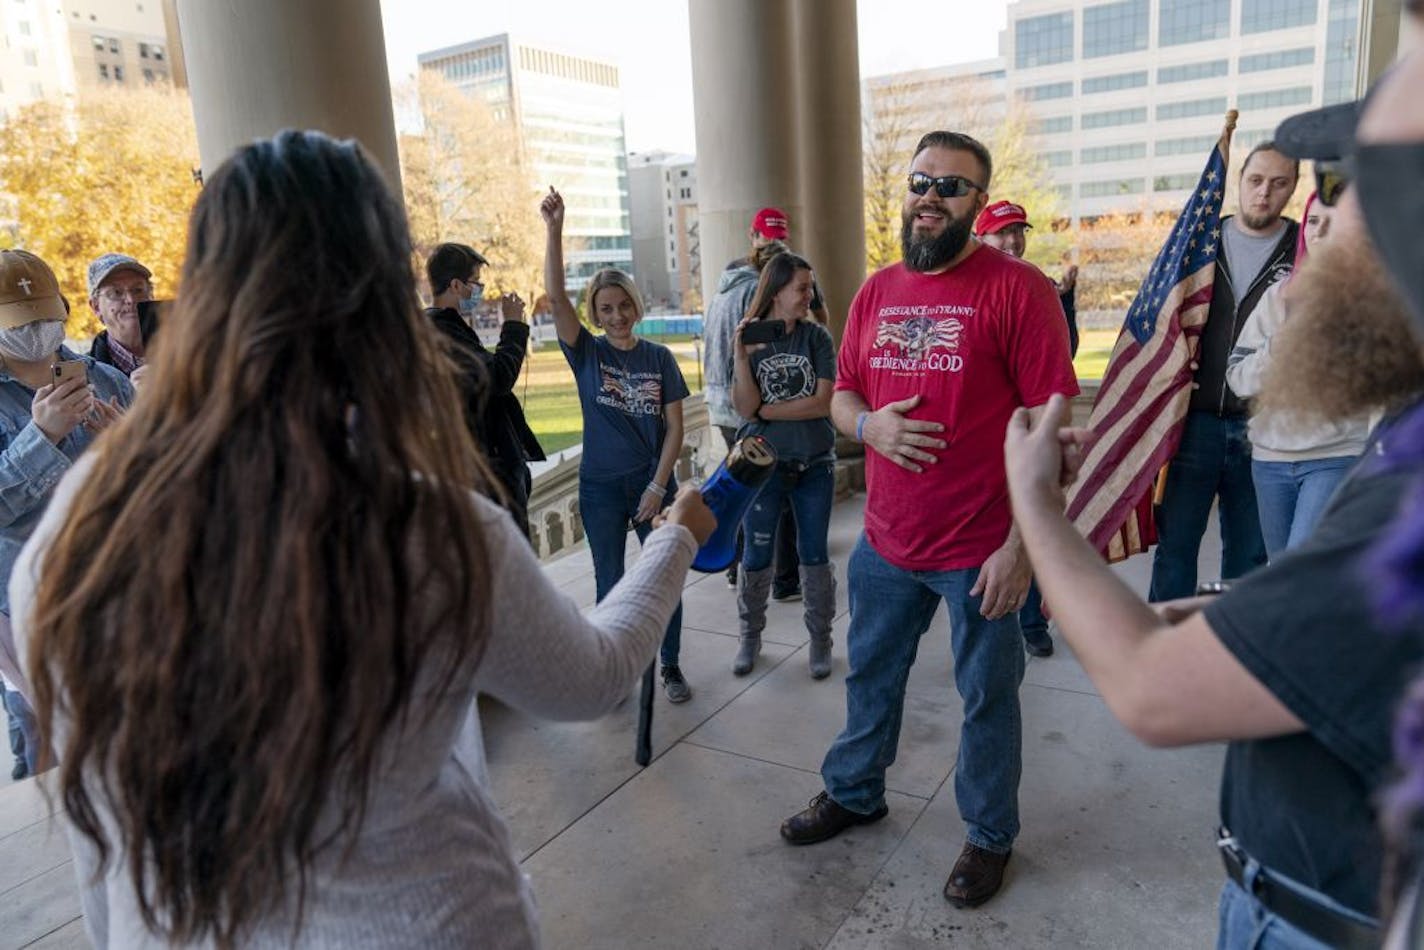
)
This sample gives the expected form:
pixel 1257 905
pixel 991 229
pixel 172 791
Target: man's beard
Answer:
pixel 931 253
pixel 1346 347
pixel 1259 222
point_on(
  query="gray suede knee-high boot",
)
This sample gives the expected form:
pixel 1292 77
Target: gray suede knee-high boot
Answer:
pixel 753 588
pixel 818 588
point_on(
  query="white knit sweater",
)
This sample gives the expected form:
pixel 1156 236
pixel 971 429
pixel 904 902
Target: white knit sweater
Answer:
pixel 433 866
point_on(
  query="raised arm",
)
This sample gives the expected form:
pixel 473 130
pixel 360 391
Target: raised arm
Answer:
pixel 566 320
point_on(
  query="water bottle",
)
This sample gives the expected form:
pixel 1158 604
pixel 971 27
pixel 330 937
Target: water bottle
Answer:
pixel 729 493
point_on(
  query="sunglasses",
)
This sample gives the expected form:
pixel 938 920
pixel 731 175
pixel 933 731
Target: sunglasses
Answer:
pixel 1331 180
pixel 950 186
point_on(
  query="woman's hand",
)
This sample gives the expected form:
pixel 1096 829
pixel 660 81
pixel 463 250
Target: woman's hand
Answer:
pixel 689 510
pixel 738 345
pixel 58 408
pixel 1043 459
pixel 104 415
pixel 651 503
pixel 551 209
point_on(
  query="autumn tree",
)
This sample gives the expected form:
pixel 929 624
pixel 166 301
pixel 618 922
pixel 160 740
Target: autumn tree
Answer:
pixel 465 180
pixel 113 172
pixel 901 108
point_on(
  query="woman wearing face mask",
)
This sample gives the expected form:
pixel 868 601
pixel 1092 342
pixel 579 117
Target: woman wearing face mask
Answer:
pixel 1295 463
pixel 631 393
pixel 784 388
pixel 44 426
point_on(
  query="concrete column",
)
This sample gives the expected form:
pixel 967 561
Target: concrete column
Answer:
pixel 830 157
pixel 1380 21
pixel 745 109
pixel 260 66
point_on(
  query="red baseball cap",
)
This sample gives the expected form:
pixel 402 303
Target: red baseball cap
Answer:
pixel 1000 215
pixel 771 223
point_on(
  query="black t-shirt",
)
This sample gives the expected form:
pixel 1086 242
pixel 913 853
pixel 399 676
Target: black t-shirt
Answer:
pixel 1304 627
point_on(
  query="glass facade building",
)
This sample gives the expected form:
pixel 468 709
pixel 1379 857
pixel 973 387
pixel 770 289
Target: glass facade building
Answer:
pixel 568 113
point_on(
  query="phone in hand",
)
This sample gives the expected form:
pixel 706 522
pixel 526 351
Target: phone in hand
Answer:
pixel 69 369
pixel 149 312
pixel 764 331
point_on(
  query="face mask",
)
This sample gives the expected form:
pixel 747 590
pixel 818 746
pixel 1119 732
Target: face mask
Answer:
pixel 33 341
pixel 469 304
pixel 1387 184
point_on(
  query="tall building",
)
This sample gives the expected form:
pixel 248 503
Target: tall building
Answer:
pixel 662 203
pixel 568 112
pixel 1129 96
pixel 54 51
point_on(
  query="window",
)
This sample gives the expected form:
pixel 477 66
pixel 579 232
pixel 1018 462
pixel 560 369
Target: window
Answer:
pixel 1281 59
pixel 1118 186
pixel 118 74
pixel 1342 33
pixel 1194 145
pixel 148 75
pixel 1175 182
pixel 30 58
pixel 1193 21
pixel 1058 159
pixel 1114 83
pixel 1052 90
pixel 1043 40
pixel 143 51
pixel 1113 153
pixel 99 42
pixel 1192 107
pixel 1250 138
pixel 113 44
pixel 1275 98
pixel 103 70
pixel 1064 191
pixel 24 27
pixel 156 52
pixel 1112 28
pixel 37 90
pixel 1059 123
pixel 1193 71
pixel 1258 16
pixel 1103 120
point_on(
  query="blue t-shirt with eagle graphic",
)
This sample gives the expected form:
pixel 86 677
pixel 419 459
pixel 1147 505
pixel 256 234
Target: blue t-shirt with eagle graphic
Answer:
pixel 623 393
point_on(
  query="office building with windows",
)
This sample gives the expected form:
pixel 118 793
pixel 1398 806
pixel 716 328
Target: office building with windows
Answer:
pixel 1128 96
pixel 119 44
pixel 568 113
pixel 662 204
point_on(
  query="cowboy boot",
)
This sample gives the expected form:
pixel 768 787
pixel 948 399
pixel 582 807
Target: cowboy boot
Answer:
pixel 753 587
pixel 818 587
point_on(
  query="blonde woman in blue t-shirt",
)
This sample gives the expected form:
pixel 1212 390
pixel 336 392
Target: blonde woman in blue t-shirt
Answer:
pixel 631 393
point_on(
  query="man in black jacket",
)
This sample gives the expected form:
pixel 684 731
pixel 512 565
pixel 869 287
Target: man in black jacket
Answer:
pixel 1257 249
pixel 487 379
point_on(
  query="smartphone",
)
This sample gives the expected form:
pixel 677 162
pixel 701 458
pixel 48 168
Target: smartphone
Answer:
pixel 764 331
pixel 148 314
pixel 69 369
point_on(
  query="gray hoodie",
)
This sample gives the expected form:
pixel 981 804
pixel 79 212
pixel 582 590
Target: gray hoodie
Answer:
pixel 735 289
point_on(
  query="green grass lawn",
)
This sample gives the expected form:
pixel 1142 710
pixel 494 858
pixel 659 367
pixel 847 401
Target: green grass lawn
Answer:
pixel 552 407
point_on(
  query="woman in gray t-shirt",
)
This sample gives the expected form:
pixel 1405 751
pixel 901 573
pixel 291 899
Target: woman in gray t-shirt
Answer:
pixel 783 386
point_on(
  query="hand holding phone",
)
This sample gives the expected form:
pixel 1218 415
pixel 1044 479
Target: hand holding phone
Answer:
pixel 66 370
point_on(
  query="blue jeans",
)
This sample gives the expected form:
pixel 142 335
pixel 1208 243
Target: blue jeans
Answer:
pixel 810 491
pixel 1292 496
pixel 606 506
pixel 889 610
pixel 1214 459
pixel 1243 924
pixel 24 731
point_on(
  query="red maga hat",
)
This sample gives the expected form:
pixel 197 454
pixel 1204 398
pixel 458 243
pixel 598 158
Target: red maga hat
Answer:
pixel 1000 215
pixel 771 223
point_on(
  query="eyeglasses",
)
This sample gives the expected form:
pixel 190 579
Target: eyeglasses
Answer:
pixel 950 186
pixel 118 294
pixel 1331 180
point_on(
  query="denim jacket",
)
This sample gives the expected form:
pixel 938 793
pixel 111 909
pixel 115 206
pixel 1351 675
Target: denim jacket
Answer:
pixel 30 465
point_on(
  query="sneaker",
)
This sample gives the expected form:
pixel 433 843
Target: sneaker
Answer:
pixel 675 686
pixel 20 770
pixel 1038 643
pixel 732 577
pixel 825 818
pixel 786 595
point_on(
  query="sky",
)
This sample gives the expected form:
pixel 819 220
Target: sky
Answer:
pixel 648 41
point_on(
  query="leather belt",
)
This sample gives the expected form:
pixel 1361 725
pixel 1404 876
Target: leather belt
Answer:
pixel 1319 921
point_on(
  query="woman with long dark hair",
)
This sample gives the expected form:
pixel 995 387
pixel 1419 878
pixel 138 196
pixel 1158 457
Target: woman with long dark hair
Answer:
pixel 784 387
pixel 257 616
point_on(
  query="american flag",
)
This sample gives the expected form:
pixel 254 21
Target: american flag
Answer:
pixel 1137 417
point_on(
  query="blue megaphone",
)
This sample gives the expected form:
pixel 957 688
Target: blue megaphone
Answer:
pixel 729 493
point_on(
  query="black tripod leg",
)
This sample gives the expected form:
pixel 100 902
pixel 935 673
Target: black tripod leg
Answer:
pixel 643 753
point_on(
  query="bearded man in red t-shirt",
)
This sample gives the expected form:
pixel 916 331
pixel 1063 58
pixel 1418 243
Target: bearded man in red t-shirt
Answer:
pixel 938 352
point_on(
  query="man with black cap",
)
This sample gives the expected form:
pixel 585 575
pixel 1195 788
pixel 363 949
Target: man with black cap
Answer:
pixel 1291 666
pixel 117 285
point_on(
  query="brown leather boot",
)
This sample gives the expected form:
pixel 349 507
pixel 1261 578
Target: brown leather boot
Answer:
pixel 977 876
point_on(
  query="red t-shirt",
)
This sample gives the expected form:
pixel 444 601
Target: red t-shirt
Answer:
pixel 975 343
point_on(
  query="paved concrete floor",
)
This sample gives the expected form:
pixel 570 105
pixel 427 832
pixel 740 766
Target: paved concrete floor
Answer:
pixel 1116 849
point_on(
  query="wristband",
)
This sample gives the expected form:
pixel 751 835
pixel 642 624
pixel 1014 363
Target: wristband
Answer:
pixel 860 426
pixel 655 488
